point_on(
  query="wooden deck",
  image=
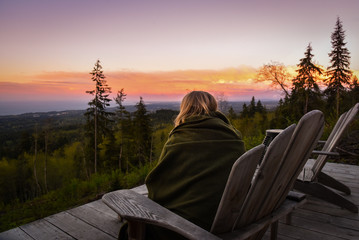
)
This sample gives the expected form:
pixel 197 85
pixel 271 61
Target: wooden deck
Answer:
pixel 315 220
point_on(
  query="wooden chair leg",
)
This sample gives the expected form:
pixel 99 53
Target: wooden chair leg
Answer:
pixel 333 183
pixel 320 191
pixel 288 219
pixel 274 230
pixel 136 230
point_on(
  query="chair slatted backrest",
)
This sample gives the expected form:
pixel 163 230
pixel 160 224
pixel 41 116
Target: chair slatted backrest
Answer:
pixel 236 189
pixel 240 180
pixel 333 140
pixel 278 172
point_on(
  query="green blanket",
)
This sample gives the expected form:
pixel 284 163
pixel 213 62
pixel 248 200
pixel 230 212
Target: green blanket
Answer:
pixel 193 169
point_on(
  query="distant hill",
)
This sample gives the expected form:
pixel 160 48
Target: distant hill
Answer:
pixel 151 107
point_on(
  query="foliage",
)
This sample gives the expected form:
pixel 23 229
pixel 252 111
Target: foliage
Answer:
pixel 75 192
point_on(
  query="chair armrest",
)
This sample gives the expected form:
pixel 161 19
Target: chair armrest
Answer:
pixel 336 154
pixel 135 207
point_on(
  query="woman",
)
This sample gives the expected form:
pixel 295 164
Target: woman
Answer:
pixel 195 162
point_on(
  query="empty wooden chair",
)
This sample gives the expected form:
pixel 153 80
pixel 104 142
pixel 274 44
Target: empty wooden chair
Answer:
pixel 314 182
pixel 249 204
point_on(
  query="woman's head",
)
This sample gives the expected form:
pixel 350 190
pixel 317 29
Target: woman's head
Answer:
pixel 196 103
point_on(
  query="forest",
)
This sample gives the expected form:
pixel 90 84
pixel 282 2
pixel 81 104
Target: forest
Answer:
pixel 54 161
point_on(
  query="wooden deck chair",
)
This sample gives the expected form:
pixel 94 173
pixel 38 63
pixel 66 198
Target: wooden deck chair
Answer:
pixel 313 181
pixel 249 204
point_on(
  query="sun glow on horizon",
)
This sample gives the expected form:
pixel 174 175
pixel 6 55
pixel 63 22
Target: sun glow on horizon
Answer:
pixel 234 83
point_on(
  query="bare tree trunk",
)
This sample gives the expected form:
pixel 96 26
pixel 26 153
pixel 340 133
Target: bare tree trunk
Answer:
pixel 45 168
pixel 337 107
pixel 85 163
pixel 120 159
pixel 306 102
pixel 35 160
pixel 96 134
pixel 151 149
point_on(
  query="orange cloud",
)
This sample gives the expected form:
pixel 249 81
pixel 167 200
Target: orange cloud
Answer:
pixel 234 83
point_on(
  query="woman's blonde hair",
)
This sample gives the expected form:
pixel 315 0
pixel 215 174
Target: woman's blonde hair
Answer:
pixel 196 103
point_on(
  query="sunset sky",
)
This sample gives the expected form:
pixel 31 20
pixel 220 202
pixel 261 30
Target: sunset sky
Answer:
pixel 158 49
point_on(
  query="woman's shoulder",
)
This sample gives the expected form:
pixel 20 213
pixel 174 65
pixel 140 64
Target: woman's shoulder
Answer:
pixel 199 124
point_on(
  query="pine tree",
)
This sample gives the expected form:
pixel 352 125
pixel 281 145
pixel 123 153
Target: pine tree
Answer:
pixel 260 108
pixel 305 83
pixel 231 113
pixel 142 132
pixel 339 72
pixel 252 108
pixel 245 111
pixel 121 112
pixel 98 118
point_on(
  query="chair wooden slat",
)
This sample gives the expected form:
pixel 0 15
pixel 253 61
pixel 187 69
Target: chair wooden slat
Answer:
pixel 236 190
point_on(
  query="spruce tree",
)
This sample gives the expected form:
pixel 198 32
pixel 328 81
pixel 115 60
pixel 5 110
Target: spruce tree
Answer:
pixel 338 72
pixel 231 114
pixel 121 113
pixel 305 84
pixel 142 132
pixel 252 108
pixel 260 108
pixel 245 111
pixel 98 118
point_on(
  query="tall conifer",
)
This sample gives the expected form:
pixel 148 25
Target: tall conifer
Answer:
pixel 305 84
pixel 98 118
pixel 338 72
pixel 143 132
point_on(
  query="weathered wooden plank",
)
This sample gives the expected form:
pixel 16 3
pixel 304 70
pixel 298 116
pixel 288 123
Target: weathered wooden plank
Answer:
pixel 103 208
pixel 335 221
pixel 340 168
pixel 76 227
pixel 14 234
pixel 303 233
pixel 267 236
pixel 325 228
pixel 351 170
pixel 316 205
pixel 42 229
pixel 107 223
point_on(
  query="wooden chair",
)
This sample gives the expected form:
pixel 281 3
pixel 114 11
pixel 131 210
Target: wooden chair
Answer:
pixel 314 182
pixel 249 204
